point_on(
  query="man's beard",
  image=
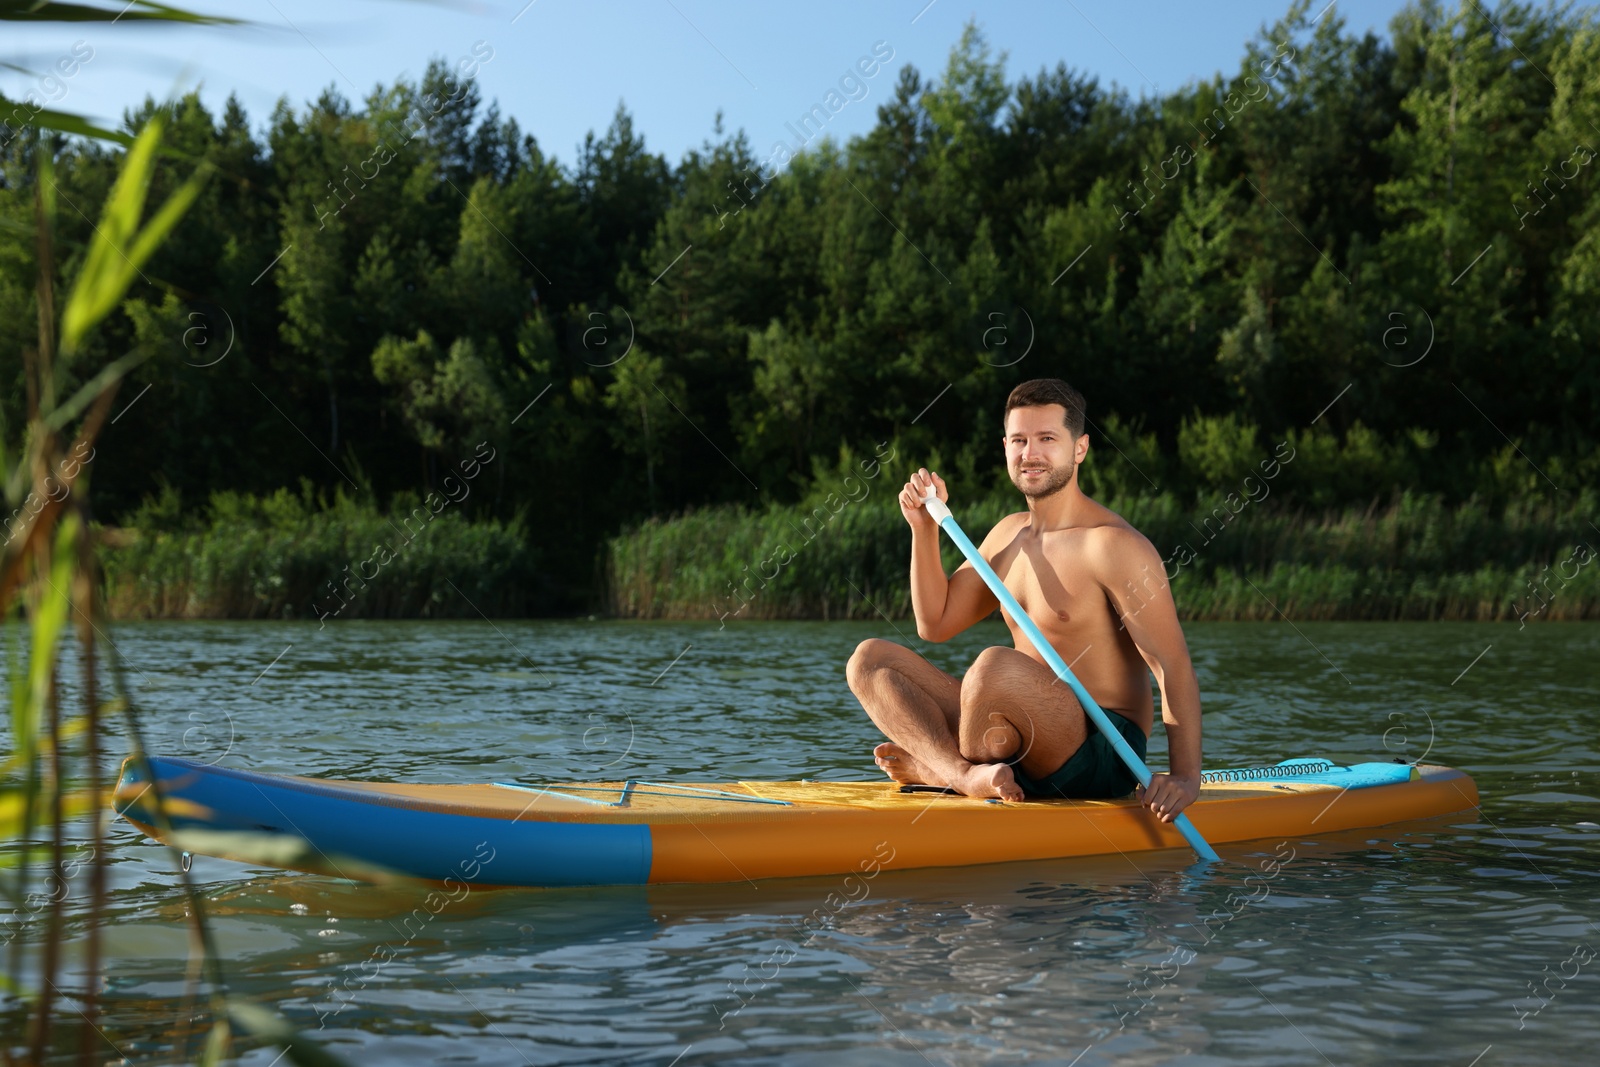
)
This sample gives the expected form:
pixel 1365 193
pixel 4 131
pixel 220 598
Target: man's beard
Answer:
pixel 1054 480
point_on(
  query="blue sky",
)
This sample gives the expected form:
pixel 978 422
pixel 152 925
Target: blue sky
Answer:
pixel 560 67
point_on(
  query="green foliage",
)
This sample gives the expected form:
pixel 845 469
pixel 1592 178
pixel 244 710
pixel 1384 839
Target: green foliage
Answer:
pixel 1218 452
pixel 298 556
pixel 640 338
pixel 1417 558
pixel 1123 463
pixel 121 244
pixel 448 401
pixel 1325 471
pixel 52 787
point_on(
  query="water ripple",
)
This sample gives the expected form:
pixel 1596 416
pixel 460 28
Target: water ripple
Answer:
pixel 1425 943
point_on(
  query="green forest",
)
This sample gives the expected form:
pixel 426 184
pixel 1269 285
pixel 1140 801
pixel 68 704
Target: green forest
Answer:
pixel 400 361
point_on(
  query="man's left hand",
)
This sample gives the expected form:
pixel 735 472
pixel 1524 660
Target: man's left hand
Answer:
pixel 1169 794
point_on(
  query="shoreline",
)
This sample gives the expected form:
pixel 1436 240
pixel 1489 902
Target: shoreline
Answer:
pixel 1419 559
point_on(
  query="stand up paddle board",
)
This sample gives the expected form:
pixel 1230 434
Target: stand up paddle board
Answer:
pixel 637 832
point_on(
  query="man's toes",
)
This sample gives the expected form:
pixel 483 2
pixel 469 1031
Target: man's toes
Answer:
pixel 896 762
pixel 1005 784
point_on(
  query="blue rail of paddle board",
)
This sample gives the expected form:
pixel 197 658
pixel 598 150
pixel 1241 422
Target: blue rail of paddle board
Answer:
pixel 424 844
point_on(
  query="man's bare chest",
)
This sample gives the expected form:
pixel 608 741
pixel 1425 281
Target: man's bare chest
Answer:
pixel 1052 582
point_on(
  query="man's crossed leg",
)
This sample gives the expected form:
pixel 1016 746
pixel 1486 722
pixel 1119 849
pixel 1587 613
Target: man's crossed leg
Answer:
pixel 966 733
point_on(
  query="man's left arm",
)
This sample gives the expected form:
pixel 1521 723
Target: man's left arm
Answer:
pixel 1135 580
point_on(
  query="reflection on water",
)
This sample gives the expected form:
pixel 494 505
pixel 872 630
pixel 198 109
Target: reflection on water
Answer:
pixel 1424 943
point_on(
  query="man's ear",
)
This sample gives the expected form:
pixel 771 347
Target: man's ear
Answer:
pixel 1081 448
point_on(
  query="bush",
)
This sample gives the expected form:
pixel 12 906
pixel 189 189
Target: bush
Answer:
pixel 288 556
pixel 1416 558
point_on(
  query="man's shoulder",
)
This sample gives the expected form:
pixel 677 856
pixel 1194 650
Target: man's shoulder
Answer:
pixel 1102 524
pixel 1008 525
pixel 1116 542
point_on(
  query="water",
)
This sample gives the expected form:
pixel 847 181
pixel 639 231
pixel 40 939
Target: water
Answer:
pixel 1411 944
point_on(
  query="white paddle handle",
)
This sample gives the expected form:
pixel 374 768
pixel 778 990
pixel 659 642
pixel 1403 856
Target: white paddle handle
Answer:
pixel 935 506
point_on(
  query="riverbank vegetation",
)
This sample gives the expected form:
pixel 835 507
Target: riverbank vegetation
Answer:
pixel 1381 247
pixel 291 555
pixel 1416 557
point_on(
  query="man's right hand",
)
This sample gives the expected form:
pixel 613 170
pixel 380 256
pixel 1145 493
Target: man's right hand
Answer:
pixel 911 505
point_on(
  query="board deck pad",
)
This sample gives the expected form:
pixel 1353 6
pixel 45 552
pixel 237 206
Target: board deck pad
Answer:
pixel 1313 771
pixel 1318 771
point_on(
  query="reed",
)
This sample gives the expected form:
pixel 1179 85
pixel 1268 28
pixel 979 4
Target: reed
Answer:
pixel 1415 558
pixel 294 556
pixel 54 776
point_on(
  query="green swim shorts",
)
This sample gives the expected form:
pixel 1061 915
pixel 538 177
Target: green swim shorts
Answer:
pixel 1094 772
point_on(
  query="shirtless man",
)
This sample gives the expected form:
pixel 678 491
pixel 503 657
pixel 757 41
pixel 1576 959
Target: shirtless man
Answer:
pixel 1097 589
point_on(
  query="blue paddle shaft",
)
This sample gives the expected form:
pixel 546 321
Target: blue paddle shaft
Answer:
pixel 1130 758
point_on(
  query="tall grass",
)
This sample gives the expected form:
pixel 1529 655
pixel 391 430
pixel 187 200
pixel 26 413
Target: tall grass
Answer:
pixel 1415 558
pixel 290 555
pixel 724 562
pixel 54 786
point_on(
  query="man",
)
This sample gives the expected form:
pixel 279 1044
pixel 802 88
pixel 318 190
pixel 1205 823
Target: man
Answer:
pixel 1097 589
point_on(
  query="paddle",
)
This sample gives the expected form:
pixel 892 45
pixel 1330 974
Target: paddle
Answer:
pixel 941 515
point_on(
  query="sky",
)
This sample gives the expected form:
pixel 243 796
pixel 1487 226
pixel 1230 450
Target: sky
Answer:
pixel 560 67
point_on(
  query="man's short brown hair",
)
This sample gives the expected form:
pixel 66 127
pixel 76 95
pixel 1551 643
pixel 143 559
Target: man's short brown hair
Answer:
pixel 1042 391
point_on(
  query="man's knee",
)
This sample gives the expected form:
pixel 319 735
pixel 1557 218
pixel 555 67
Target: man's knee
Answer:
pixel 984 677
pixel 988 736
pixel 987 733
pixel 868 657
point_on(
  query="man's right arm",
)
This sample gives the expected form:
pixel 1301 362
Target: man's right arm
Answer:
pixel 943 606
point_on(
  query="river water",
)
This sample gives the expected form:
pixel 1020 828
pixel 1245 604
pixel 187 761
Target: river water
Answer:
pixel 1468 940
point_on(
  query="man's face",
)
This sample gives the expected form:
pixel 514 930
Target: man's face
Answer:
pixel 1040 452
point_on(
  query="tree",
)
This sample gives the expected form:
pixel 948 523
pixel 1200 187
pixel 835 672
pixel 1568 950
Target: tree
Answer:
pixel 449 402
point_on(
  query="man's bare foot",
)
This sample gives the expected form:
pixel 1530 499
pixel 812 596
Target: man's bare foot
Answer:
pixel 989 780
pixel 905 768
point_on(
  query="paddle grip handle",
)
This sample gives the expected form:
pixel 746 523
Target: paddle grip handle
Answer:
pixel 941 513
